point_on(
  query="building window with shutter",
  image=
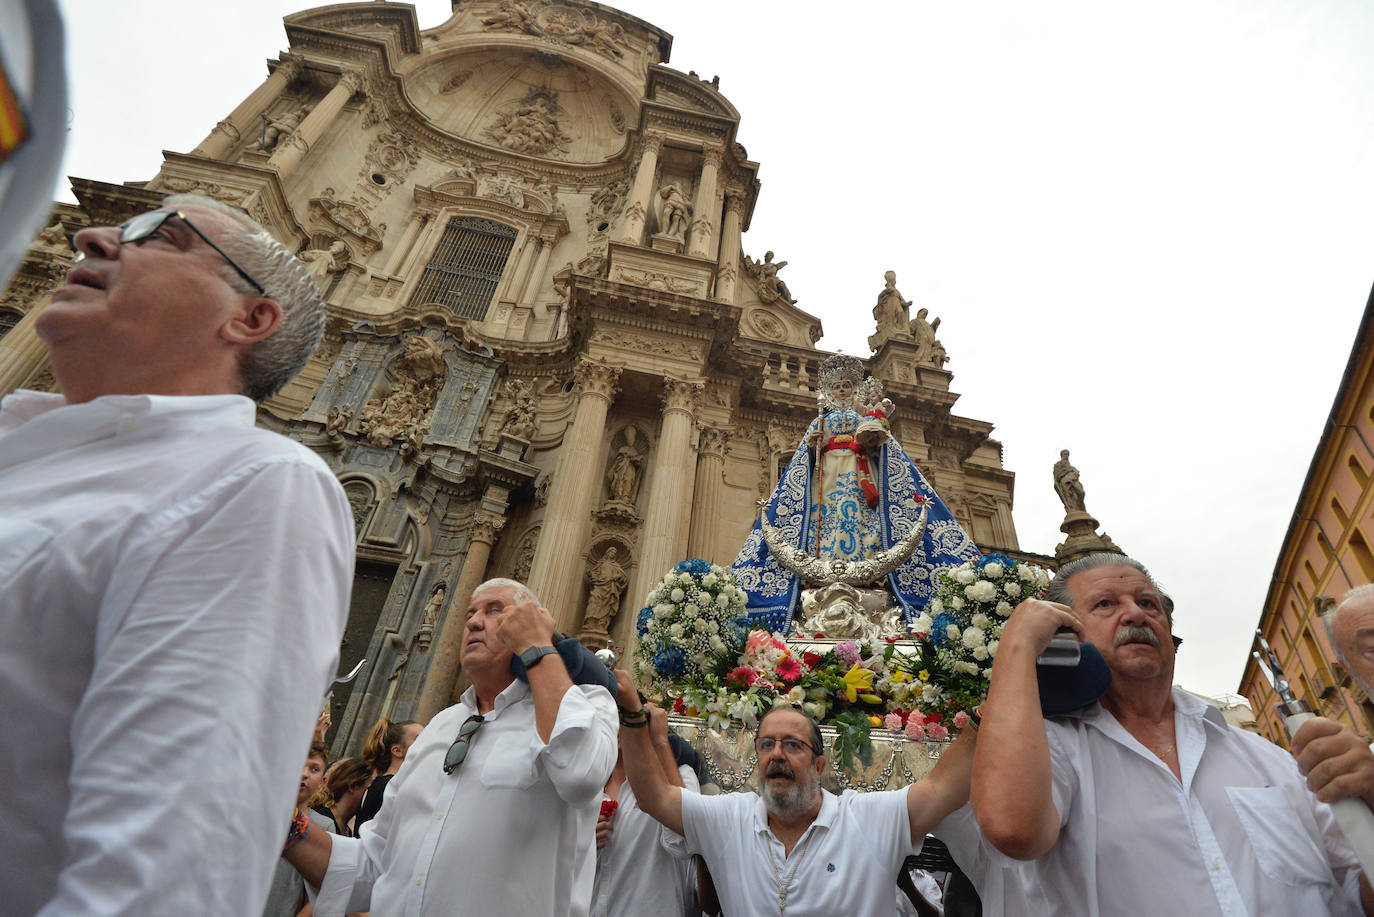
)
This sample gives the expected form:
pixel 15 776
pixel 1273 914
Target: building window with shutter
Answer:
pixel 465 268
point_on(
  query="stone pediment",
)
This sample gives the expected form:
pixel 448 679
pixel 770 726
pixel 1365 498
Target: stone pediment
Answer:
pixel 686 90
pixel 348 221
pixel 776 319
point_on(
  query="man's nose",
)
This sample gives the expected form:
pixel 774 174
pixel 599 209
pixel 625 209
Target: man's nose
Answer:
pixel 98 242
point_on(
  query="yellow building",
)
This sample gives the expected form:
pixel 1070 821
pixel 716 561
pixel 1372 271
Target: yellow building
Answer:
pixel 1328 549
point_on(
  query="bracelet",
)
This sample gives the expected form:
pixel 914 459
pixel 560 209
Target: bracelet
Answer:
pixel 635 724
pixel 635 719
pixel 300 827
pixel 974 720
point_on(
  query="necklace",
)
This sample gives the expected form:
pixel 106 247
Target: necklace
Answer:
pixel 1165 753
pixel 785 884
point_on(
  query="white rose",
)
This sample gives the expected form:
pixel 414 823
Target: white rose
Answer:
pixel 795 696
pixel 993 571
pixel 677 595
pixel 723 600
pixel 980 653
pixel 713 627
pixel 964 576
pixel 973 637
pixel 979 620
pixel 1013 589
pixel 970 668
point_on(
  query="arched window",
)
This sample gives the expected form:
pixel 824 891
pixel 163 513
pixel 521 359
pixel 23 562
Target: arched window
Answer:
pixel 465 268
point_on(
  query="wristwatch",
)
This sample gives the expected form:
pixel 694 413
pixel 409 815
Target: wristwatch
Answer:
pixel 535 653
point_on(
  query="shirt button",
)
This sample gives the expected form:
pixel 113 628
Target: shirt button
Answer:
pixel 438 816
pixel 1216 864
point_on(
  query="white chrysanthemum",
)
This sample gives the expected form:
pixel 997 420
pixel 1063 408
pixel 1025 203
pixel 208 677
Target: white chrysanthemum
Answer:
pixel 684 578
pixel 956 602
pixel 963 576
pixel 677 595
pixel 709 579
pixel 992 647
pixel 952 631
pixel 981 591
pixel 935 606
pixel 676 630
pixel 713 627
pixel 723 600
pixel 973 637
pixel 980 653
pixel 993 571
pixel 923 623
pixel 1013 589
pixel 1026 573
pixel 979 620
pixel 1004 609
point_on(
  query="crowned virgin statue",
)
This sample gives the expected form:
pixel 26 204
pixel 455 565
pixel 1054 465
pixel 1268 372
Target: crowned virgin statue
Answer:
pixel 865 510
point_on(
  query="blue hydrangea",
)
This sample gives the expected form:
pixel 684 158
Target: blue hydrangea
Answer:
pixel 642 622
pixel 695 566
pixel 1002 559
pixel 939 635
pixel 670 661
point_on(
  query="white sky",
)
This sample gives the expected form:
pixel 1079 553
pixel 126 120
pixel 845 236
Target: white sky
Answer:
pixel 1145 226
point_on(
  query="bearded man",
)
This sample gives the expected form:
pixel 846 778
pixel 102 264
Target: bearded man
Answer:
pixel 795 848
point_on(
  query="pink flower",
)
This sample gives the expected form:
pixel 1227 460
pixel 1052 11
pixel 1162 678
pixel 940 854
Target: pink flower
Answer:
pixel 778 644
pixel 743 675
pixel 915 729
pixel 960 720
pixel 758 641
pixel 937 732
pixel 849 652
pixel 789 669
pixel 893 721
pixel 762 681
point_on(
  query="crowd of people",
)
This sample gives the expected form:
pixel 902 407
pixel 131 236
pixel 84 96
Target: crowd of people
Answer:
pixel 161 675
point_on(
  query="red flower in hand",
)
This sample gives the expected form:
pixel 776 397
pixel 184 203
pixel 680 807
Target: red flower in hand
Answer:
pixel 608 807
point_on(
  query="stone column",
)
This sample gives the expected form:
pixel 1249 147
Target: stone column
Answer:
pixel 710 477
pixel 704 226
pixel 536 276
pixel 243 119
pixel 21 352
pixel 670 495
pixel 443 667
pixel 292 150
pixel 412 256
pixel 556 572
pixel 402 248
pixel 641 192
pixel 515 280
pixel 727 277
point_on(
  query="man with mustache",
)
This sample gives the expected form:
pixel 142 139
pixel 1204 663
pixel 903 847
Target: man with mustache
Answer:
pixel 795 849
pixel 1148 795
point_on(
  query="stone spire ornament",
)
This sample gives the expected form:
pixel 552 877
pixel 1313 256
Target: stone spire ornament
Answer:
pixel 1080 527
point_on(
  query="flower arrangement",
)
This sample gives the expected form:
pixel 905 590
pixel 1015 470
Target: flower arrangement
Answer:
pixel 692 626
pixel 959 631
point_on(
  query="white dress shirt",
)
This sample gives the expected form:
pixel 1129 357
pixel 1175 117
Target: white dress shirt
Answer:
pixel 512 831
pixel 173 585
pixel 845 863
pixel 644 868
pixel 1240 834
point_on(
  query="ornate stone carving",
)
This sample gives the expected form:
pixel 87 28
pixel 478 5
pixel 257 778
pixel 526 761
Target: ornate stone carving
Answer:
pixel 680 394
pixel 608 581
pixel 452 83
pixel 275 129
pixel 1067 485
pixel 652 142
pixel 734 201
pixel 531 126
pixel 597 376
pixel 771 286
pixel 359 501
pixel 526 191
pixel 618 123
pixel 553 21
pixel 657 280
pixel 928 349
pixel 390 155
pixel 519 419
pixel 623 477
pixel 892 315
pixel 324 262
pixel 406 411
pixel 767 326
pixel 347 220
pixel 606 204
pixel 179 185
pixel 524 555
pixel 338 419
pixel 352 80
pixel 593 263
pixel 674 212
pixel 485 528
pixel 712 442
pixel 541 490
pixel 683 350
pixel 425 635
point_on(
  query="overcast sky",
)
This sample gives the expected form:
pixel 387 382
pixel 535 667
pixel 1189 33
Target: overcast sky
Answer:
pixel 1145 227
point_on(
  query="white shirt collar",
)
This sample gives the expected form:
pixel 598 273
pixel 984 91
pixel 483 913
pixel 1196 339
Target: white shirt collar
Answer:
pixel 514 692
pixel 824 818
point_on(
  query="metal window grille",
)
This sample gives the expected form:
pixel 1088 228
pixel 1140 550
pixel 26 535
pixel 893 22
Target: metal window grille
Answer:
pixel 465 268
pixel 8 319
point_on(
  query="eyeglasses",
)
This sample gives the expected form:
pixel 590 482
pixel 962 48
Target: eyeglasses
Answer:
pixel 143 226
pixel 790 747
pixel 459 749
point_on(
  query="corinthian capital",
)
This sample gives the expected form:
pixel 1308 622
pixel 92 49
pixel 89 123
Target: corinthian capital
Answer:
pixel 594 376
pixel 652 142
pixel 734 201
pixel 711 155
pixel 485 527
pixel 681 394
pixel 291 67
pixel 353 79
pixel 712 442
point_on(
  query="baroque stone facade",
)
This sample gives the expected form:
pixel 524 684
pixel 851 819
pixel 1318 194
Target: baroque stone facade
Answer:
pixel 548 355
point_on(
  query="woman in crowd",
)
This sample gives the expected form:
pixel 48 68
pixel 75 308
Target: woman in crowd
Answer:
pixel 384 750
pixel 344 785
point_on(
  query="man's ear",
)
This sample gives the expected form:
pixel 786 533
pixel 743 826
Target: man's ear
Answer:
pixel 821 763
pixel 255 321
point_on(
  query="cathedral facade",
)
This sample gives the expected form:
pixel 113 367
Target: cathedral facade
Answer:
pixel 548 355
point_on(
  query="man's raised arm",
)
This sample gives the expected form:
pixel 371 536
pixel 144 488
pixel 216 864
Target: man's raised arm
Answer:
pixel 653 792
pixel 1012 793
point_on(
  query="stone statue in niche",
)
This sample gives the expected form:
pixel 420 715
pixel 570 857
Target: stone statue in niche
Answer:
pixel 322 263
pixel 425 635
pixel 405 412
pixel 623 478
pixel 608 581
pixel 276 129
pixel 532 127
pixel 771 286
pixel 674 212
pixel 891 314
pixel 1067 485
pixel 336 421
pixel 519 420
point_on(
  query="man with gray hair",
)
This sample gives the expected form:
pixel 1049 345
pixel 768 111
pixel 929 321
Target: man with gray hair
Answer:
pixel 494 810
pixel 173 580
pixel 1148 795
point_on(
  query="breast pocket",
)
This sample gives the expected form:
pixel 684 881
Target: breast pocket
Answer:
pixel 1283 845
pixel 512 764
